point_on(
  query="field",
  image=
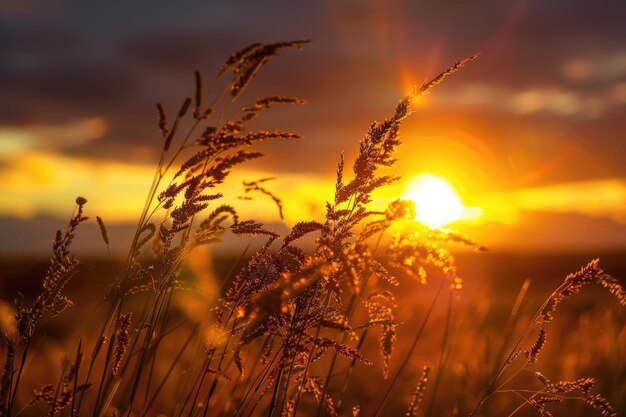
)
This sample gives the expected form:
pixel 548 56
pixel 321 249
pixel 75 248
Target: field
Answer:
pixel 585 341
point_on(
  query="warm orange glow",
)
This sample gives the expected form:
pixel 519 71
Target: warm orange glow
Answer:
pixel 46 183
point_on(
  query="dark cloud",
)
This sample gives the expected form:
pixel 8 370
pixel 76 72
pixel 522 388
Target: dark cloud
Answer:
pixel 62 61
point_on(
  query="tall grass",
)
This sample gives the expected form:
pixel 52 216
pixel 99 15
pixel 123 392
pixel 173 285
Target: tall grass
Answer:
pixel 287 333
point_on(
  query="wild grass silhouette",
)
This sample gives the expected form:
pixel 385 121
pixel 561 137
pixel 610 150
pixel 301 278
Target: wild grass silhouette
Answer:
pixel 288 333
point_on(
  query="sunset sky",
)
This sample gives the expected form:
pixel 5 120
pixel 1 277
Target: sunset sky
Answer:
pixel 531 136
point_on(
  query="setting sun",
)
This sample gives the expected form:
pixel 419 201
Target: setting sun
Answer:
pixel 437 203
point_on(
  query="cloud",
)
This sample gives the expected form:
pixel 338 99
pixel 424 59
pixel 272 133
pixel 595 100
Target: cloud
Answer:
pixel 618 92
pixel 554 101
pixel 20 139
pixel 605 67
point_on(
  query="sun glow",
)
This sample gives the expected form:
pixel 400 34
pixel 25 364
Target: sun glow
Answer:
pixel 437 203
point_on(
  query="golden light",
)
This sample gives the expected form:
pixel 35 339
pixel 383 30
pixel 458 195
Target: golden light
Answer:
pixel 436 201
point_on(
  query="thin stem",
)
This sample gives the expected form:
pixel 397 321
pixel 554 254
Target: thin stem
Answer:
pixel 308 363
pixel 442 351
pixel 407 357
pixel 76 370
pixel 258 382
pixel 346 382
pixel 169 371
pixel 354 299
pixel 19 374
pixel 511 322
pixel 502 367
pixel 255 364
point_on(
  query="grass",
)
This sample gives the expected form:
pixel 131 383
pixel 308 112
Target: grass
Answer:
pixel 294 327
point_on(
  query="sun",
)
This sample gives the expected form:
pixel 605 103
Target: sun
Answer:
pixel 437 203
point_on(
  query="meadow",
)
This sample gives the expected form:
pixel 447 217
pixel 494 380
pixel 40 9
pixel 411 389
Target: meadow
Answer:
pixel 354 314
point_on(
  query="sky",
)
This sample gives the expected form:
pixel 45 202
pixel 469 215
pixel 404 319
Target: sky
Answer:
pixel 531 135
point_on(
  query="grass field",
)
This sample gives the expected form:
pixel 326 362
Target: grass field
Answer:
pixel 586 340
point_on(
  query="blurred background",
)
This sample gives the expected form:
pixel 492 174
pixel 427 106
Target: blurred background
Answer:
pixel 523 150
